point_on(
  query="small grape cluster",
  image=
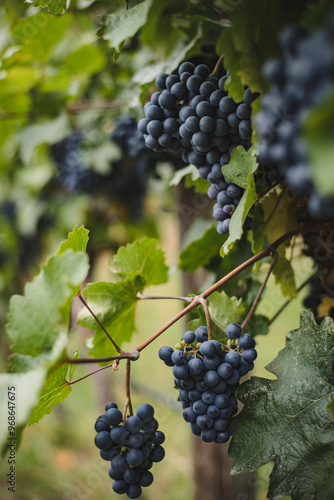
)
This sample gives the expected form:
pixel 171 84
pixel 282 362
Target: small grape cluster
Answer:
pixel 207 375
pixel 300 81
pixel 131 447
pixel 193 114
pixel 126 180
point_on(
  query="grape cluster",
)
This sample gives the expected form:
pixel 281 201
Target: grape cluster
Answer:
pixel 127 178
pixel 131 447
pixel 193 114
pixel 207 375
pixel 300 81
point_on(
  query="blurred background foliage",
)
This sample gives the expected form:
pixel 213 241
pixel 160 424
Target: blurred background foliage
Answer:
pixel 62 91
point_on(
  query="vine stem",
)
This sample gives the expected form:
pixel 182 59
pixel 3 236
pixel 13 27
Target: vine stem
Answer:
pixel 91 373
pixel 287 302
pixel 148 297
pixel 195 301
pixel 128 403
pixel 260 292
pixel 81 361
pixel 118 349
pixel 218 63
pixel 220 13
pixel 270 250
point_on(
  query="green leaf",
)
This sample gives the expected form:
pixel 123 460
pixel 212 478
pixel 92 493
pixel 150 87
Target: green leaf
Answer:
pixel 287 421
pixel 223 310
pixel 199 253
pixel 285 275
pixel 124 24
pixel 37 36
pixel 192 179
pixel 147 74
pixel 77 240
pixel 42 133
pixel 330 408
pixel 114 304
pixel 243 164
pixel 55 6
pixel 27 387
pixel 319 130
pixel 141 256
pixel 279 214
pixel 55 389
pixel 36 318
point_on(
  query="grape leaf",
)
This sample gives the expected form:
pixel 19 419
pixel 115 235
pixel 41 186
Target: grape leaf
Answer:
pixel 242 164
pixel 280 217
pixel 36 318
pixel 114 304
pixel 284 274
pixel 319 129
pixel 77 240
pixel 38 323
pixel 192 179
pixel 241 167
pixel 55 389
pixel 287 420
pixel 144 256
pixel 223 310
pixel 117 27
pixel 330 408
pixel 55 6
pixel 199 253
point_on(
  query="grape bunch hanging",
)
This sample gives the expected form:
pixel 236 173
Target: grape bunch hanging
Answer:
pixel 301 80
pixel 131 446
pixel 207 375
pixel 193 114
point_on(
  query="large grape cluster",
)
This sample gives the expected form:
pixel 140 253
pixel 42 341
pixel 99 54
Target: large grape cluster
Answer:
pixel 193 114
pixel 207 375
pixel 302 79
pixel 131 447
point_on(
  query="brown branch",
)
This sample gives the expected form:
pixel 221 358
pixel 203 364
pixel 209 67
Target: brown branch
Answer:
pixel 287 302
pixel 149 297
pixel 196 300
pixel 91 373
pixel 81 361
pixel 118 349
pixel 257 298
pixel 216 68
pixel 219 12
pixel 86 105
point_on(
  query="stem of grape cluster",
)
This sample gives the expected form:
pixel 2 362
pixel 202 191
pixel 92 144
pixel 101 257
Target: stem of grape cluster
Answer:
pixel 128 403
pixel 207 315
pixel 260 292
